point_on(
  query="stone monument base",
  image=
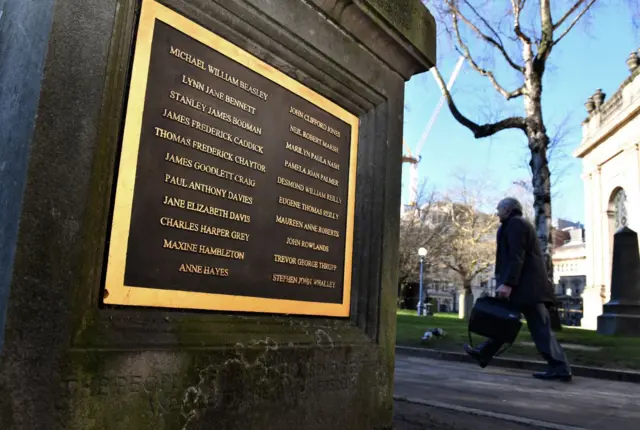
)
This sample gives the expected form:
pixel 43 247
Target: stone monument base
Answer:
pixel 619 318
pixel 627 325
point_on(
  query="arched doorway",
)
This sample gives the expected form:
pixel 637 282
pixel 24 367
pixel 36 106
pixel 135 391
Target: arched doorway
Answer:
pixel 618 218
pixel 617 210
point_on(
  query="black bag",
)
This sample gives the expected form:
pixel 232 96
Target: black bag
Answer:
pixel 496 319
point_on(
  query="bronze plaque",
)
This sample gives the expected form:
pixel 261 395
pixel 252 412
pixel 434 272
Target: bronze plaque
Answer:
pixel 236 183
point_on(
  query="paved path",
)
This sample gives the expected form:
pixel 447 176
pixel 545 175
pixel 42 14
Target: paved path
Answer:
pixel 583 403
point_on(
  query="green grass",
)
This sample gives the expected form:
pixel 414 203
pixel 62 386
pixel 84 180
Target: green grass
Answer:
pixel 615 351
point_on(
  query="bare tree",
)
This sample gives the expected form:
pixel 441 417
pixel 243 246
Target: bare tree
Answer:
pixel 558 155
pixel 521 190
pixel 419 229
pixel 523 34
pixel 469 239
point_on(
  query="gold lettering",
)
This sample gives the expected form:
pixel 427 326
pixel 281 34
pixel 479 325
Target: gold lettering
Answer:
pixel 302 280
pixel 221 74
pixel 303 262
pixel 208 149
pixel 224 174
pixel 211 170
pixel 307 189
pixel 185 56
pixel 207 189
pixel 216 271
pixel 173 201
pixel 212 131
pixel 179 224
pixel 190 268
pixel 307 208
pixel 313 156
pixel 324 284
pixel 203 249
pixel 217 212
pixel 206 89
pixel 248 144
pixel 288 279
pixel 250 164
pixel 237 235
pixel 311 173
pixel 312 138
pixel 203 270
pixel 173 116
pixel 292 222
pixel 172 137
pixel 307 244
pixel 289 202
pixel 188 101
pixel 311 120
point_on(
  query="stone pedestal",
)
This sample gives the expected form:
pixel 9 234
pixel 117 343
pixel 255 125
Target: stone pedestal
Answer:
pixel 70 360
pixel 592 307
pixel 621 315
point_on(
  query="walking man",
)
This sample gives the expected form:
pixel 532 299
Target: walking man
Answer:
pixel 522 278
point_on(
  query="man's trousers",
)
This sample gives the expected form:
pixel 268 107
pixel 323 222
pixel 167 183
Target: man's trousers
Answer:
pixel 539 323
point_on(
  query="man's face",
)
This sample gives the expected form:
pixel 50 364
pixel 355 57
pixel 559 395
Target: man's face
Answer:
pixel 501 211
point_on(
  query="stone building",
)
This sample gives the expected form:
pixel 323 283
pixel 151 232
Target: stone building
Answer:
pixel 569 260
pixel 610 153
pixel 569 270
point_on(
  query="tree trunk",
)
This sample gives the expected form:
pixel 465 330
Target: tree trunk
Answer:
pixel 540 173
pixel 541 181
pixel 465 302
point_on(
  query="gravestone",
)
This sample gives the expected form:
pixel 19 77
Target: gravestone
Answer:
pixel 199 211
pixel 621 315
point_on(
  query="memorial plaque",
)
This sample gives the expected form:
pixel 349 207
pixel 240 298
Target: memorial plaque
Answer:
pixel 236 184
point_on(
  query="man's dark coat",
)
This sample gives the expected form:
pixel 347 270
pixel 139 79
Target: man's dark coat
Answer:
pixel 519 262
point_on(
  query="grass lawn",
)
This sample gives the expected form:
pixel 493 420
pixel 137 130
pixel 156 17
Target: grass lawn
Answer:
pixel 612 352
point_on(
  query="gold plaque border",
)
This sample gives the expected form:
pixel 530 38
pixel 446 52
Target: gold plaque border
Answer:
pixel 120 294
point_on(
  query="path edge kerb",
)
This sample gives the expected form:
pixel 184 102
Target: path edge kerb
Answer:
pixel 511 363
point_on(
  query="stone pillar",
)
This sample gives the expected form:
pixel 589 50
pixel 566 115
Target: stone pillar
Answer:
pixel 71 358
pixel 591 299
pixel 622 313
pixel 633 187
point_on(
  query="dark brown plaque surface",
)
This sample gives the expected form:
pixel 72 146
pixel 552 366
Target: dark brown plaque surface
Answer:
pixel 236 183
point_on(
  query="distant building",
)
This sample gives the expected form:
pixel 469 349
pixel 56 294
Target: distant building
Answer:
pixel 610 153
pixel 569 264
pixel 569 271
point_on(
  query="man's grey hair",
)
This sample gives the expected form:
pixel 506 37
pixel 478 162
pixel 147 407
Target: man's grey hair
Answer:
pixel 509 204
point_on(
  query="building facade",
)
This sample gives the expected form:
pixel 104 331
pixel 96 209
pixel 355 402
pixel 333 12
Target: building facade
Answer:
pixel 610 153
pixel 569 270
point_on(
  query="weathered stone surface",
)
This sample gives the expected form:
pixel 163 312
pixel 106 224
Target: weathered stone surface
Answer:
pixel 622 314
pixel 70 362
pixel 24 32
pixel 411 19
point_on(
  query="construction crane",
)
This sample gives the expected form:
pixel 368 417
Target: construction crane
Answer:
pixel 414 158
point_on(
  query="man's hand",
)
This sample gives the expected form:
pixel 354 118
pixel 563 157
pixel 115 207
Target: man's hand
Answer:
pixel 503 291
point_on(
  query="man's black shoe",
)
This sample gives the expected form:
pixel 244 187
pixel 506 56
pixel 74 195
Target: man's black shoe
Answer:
pixel 554 375
pixel 476 355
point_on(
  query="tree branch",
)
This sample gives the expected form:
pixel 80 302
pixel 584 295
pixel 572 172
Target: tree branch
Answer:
pixel 575 21
pixel 479 131
pixel 490 40
pixel 568 14
pixel 546 39
pixel 517 8
pixel 467 54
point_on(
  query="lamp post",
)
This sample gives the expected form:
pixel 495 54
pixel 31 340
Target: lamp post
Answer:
pixel 422 253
